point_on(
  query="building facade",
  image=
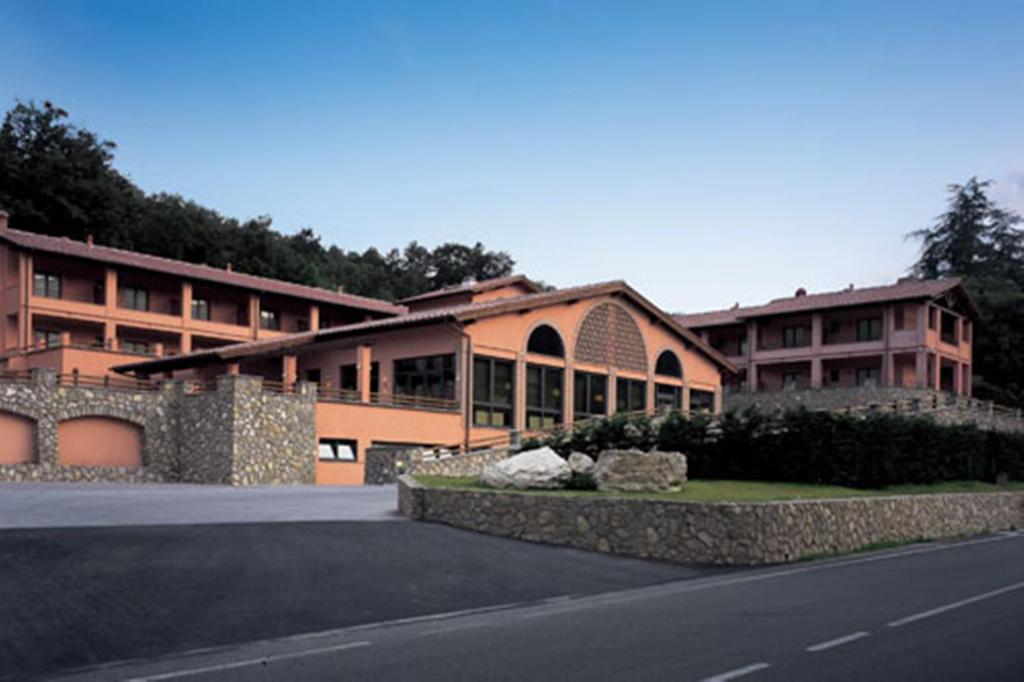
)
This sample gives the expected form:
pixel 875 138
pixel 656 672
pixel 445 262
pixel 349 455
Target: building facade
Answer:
pixel 79 307
pixel 473 365
pixel 911 334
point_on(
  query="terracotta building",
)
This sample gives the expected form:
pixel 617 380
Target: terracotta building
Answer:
pixel 72 305
pixel 474 364
pixel 911 334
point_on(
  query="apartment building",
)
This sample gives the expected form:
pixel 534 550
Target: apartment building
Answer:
pixel 80 307
pixel 911 334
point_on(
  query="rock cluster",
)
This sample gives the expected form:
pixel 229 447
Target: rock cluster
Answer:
pixel 638 471
pixel 541 468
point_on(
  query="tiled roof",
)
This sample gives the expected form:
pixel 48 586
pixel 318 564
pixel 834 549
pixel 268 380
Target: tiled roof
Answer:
pixel 475 287
pixel 903 290
pixel 459 313
pixel 107 254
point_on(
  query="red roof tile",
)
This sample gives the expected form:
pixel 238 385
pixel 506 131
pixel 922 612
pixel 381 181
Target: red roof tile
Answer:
pixel 904 290
pixel 475 287
pixel 106 254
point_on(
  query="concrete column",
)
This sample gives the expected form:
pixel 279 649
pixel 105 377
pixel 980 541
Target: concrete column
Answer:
pixel 254 315
pixel 816 372
pixel 569 392
pixel 921 369
pixel 158 349
pixel 937 377
pixel 613 392
pixel 232 369
pixel 752 378
pixel 751 355
pixel 24 300
pixel 958 374
pixel 889 370
pixel 186 342
pixel 364 366
pixel 519 396
pixel 110 308
pixel 719 400
pixel 686 396
pixel 968 380
pixel 314 317
pixel 816 333
pixel 186 301
pixel 65 338
pixel 289 371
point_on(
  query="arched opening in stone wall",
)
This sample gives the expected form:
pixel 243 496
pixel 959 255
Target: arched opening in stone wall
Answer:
pixel 99 442
pixel 668 365
pixel 610 336
pixel 544 340
pixel 17 439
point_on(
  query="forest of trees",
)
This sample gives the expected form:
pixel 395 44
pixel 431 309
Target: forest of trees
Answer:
pixel 57 178
pixel 981 242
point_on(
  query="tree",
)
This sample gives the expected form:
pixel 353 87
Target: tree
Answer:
pixel 979 241
pixel 58 179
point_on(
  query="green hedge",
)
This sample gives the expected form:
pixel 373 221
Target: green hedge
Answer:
pixel 810 447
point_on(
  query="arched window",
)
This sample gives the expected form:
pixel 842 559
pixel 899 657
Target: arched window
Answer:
pixel 545 341
pixel 668 365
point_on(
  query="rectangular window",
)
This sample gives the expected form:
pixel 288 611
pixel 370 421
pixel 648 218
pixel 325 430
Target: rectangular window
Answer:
pixel 338 450
pixel 139 347
pixel 791 380
pixel 868 376
pixel 543 396
pixel 135 298
pixel 948 332
pixel 932 315
pixel 46 284
pixel 313 376
pixel 702 401
pixel 967 331
pixel 589 395
pixel 47 338
pixel 795 337
pixel 431 376
pixel 349 377
pixel 493 391
pixel 630 395
pixel 833 376
pixel 869 329
pixel 201 309
pixel 269 319
pixel 668 397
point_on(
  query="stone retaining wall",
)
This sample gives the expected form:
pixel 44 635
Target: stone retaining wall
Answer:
pixel 386 464
pixel 238 434
pixel 688 532
pixel 944 408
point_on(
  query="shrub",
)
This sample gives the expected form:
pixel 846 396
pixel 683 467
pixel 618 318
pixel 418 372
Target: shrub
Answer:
pixel 872 451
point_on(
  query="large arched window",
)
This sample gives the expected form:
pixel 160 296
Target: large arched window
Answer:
pixel 545 341
pixel 668 365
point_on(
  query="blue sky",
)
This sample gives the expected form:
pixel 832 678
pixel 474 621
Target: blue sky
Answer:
pixel 707 152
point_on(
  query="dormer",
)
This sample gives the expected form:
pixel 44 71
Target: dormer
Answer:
pixel 471 291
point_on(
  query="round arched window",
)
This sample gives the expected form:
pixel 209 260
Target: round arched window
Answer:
pixel 545 341
pixel 669 365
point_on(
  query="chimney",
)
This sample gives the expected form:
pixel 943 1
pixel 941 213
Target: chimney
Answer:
pixel 736 305
pixel 341 288
pixel 801 292
pixel 88 239
pixel 4 215
pixel 468 281
pixel 228 267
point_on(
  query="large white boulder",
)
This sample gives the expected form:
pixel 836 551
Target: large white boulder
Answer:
pixel 638 471
pixel 541 468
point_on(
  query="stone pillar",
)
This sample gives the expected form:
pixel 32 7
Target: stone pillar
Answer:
pixel 289 371
pixel 314 317
pixel 816 371
pixel 364 366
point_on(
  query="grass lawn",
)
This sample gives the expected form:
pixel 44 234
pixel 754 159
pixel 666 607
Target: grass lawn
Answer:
pixel 750 491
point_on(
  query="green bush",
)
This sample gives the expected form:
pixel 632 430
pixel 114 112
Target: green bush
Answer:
pixel 870 451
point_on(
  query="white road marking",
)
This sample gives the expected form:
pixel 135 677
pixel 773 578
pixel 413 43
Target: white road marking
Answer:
pixel 738 672
pixel 955 605
pixel 245 664
pixel 838 641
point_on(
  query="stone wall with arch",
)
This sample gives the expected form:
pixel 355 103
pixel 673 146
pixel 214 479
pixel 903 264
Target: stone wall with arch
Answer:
pixel 608 335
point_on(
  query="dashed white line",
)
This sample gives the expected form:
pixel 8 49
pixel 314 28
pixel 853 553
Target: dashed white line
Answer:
pixel 738 672
pixel 955 605
pixel 838 641
pixel 175 674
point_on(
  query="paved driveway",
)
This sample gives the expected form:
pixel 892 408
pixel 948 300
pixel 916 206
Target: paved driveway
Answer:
pixel 61 505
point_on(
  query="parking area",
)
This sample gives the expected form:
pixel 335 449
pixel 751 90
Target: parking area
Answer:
pixel 65 505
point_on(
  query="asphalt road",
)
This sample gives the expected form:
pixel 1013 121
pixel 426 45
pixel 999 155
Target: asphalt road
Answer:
pixel 73 597
pixel 951 611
